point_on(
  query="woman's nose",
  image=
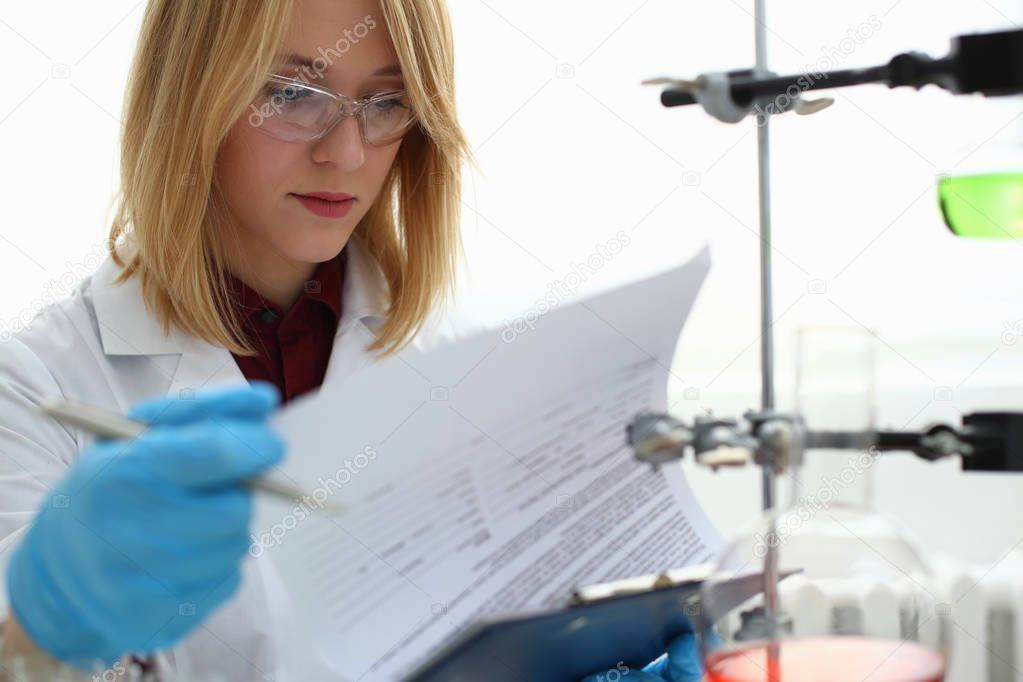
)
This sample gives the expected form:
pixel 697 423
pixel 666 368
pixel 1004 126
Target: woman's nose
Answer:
pixel 342 146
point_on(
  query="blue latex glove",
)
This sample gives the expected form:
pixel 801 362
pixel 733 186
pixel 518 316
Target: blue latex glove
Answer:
pixel 681 663
pixel 142 539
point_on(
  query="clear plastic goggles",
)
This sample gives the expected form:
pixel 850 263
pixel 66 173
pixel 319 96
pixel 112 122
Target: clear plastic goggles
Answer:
pixel 294 110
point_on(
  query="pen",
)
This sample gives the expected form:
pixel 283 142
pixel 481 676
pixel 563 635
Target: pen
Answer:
pixel 108 424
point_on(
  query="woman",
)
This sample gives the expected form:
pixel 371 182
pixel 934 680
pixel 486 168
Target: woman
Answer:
pixel 261 235
pixel 225 268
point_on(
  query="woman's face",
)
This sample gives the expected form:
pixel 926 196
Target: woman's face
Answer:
pixel 260 175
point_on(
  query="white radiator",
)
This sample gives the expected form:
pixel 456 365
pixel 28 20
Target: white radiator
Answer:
pixel 986 605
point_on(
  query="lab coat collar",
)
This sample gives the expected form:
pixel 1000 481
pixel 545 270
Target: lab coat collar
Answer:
pixel 126 327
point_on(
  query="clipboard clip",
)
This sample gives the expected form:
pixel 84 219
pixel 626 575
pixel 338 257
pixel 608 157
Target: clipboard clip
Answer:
pixel 689 575
pixel 731 592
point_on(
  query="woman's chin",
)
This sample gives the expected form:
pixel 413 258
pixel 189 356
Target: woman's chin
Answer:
pixel 315 246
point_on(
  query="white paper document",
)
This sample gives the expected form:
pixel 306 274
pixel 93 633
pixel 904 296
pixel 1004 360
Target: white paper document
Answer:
pixel 487 476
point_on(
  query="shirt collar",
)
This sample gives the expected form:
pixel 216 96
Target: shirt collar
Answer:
pixel 127 327
pixel 323 288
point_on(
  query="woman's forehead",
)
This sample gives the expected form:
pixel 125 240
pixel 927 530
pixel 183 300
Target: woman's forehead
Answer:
pixel 337 23
pixel 340 43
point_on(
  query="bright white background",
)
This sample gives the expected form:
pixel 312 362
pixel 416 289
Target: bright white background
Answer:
pixel 574 150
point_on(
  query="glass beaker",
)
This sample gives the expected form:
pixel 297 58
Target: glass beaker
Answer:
pixel 981 194
pixel 856 599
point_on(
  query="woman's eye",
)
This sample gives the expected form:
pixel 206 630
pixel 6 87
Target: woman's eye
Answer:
pixel 287 93
pixel 284 92
pixel 387 104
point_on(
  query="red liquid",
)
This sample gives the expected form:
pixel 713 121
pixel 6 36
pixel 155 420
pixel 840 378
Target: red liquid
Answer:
pixel 829 659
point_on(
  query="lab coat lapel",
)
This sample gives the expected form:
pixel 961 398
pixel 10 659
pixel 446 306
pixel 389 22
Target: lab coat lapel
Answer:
pixel 127 327
pixel 364 296
pixel 204 365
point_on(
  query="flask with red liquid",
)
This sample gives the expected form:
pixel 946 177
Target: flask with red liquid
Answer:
pixel 857 600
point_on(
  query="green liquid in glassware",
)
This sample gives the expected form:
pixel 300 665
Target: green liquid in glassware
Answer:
pixel 988 206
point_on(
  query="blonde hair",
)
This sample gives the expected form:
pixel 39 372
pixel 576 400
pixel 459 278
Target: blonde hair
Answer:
pixel 198 66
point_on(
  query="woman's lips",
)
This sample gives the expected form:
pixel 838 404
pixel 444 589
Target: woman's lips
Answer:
pixel 326 196
pixel 325 208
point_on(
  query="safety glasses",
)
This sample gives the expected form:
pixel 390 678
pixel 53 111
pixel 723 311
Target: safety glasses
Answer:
pixel 988 206
pixel 293 110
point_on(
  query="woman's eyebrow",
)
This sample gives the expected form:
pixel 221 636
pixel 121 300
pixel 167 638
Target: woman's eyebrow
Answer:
pixel 308 62
pixel 392 70
pixel 297 60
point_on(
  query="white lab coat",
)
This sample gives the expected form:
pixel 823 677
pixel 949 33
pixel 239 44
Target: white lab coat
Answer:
pixel 102 346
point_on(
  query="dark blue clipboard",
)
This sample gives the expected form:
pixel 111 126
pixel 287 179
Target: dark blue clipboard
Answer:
pixel 563 645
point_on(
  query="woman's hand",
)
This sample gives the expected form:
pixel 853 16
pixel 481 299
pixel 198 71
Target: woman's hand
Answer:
pixel 142 539
pixel 681 663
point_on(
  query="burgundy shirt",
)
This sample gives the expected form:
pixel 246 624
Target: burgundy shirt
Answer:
pixel 292 347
